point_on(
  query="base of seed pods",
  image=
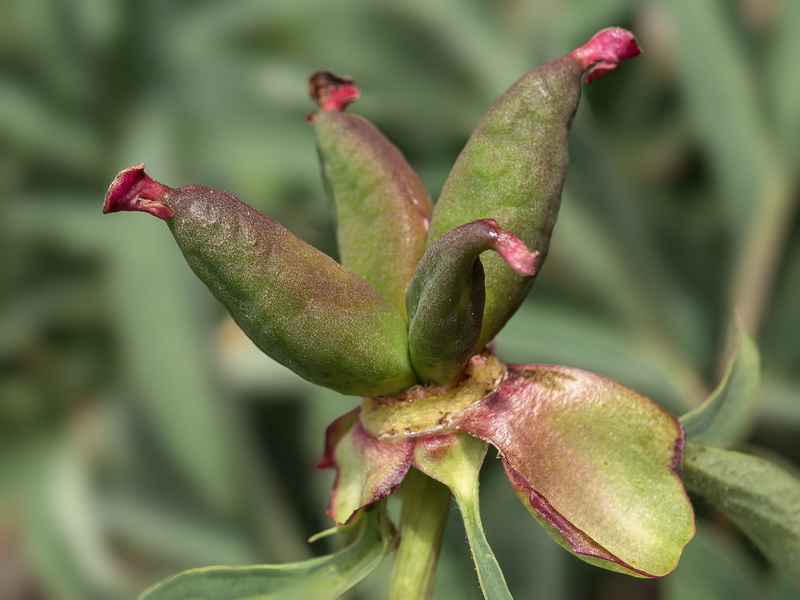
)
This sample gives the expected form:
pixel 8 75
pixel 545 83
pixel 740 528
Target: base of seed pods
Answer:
pixel 564 436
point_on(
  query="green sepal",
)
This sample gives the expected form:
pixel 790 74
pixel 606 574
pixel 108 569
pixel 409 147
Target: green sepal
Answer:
pixel 367 469
pixel 726 416
pixel 762 500
pixel 370 539
pixel 382 206
pixel 446 296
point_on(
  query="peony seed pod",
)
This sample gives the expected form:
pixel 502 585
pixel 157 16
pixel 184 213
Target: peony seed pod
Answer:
pixel 298 305
pixel 513 166
pixel 446 297
pixel 382 206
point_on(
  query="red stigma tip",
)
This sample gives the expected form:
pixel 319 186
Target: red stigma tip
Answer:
pixel 605 51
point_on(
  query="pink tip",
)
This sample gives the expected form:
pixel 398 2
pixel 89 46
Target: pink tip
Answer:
pixel 605 51
pixel 331 91
pixel 134 190
pixel 513 250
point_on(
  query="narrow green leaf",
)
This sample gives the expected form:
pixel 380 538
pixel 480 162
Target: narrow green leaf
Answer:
pixel 726 415
pixel 759 497
pixel 714 567
pixel 722 95
pixel 64 537
pixel 323 577
pixel 455 460
pixel 30 123
pixel 182 402
pixel 784 97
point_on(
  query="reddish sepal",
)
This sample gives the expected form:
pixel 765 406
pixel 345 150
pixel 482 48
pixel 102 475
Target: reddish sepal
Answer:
pixel 594 461
pixel 367 469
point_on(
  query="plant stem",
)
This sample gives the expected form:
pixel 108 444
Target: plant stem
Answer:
pixel 426 503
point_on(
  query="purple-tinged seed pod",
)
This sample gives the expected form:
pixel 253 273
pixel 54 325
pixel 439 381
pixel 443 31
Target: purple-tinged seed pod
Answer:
pixel 446 297
pixel 514 165
pixel 296 303
pixel 382 206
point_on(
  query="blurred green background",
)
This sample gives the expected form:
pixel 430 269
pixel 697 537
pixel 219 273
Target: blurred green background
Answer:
pixel 140 434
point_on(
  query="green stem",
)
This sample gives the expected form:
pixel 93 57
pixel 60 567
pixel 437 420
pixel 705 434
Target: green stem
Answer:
pixel 426 503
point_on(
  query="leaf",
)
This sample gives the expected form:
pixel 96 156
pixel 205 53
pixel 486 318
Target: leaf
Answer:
pixel 783 48
pixel 175 532
pixel 594 462
pixel 722 93
pixel 726 416
pixel 322 577
pixel 169 374
pixel 755 185
pixel 714 567
pixel 759 497
pixel 455 460
pixel 64 535
pixel 30 123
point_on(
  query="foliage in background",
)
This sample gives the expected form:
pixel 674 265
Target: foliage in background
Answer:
pixel 140 434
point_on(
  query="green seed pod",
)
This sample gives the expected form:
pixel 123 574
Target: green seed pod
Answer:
pixel 446 297
pixel 297 304
pixel 382 206
pixel 513 167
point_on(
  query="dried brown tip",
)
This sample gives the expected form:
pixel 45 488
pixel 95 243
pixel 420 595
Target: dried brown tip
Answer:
pixel 331 91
